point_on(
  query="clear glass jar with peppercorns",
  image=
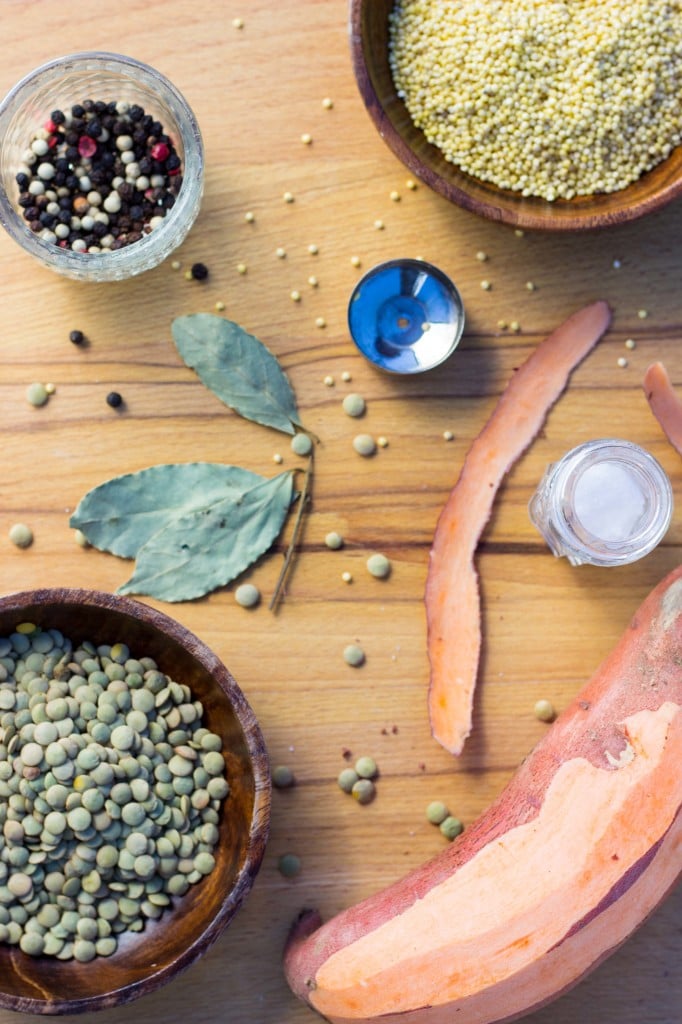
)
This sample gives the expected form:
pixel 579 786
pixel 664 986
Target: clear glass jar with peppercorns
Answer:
pixel 101 166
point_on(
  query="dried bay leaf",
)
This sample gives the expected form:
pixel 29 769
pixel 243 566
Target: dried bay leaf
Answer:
pixel 207 548
pixel 238 368
pixel 122 514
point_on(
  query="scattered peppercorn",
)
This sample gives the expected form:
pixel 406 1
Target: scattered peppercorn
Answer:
pixel 114 399
pixel 199 271
pixel 77 337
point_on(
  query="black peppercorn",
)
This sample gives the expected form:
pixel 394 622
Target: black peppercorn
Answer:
pixel 114 400
pixel 77 337
pixel 199 271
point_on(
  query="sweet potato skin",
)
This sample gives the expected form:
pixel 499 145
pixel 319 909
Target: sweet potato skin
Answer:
pixel 642 675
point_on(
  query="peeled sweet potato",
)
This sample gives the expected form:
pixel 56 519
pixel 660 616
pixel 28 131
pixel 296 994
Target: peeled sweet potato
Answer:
pixel 581 846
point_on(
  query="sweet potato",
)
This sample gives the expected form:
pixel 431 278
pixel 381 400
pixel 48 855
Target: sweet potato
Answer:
pixel 574 854
pixel 452 601
pixel 664 403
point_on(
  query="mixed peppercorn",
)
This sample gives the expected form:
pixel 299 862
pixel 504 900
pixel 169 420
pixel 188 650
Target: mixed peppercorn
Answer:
pixel 98 177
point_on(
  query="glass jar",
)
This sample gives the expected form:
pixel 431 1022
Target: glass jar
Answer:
pixel 110 77
pixel 606 502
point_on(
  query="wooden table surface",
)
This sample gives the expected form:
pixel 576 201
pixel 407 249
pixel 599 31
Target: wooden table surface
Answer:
pixel 255 91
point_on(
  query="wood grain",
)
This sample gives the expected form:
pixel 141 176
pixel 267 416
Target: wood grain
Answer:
pixel 255 91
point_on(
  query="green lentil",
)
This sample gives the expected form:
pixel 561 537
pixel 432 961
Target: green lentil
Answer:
pixel 84 829
pixel 366 767
pixel 354 405
pixel 289 865
pixel 364 444
pixel 347 779
pixel 437 812
pixel 37 394
pixel 379 565
pixel 353 655
pixel 544 711
pixel 363 791
pixel 552 100
pixel 301 444
pixel 247 595
pixel 451 827
pixel 21 535
pixel 282 777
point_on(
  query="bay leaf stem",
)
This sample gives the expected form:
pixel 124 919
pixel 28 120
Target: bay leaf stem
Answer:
pixel 303 500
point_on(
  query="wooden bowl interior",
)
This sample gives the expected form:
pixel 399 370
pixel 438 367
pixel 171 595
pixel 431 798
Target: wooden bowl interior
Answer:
pixel 369 50
pixel 147 959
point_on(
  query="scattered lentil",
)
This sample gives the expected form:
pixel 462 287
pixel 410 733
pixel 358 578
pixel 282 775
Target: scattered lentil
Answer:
pixel 36 394
pixel 354 405
pixel 289 865
pixel 21 535
pixel 301 444
pixel 364 444
pixel 347 779
pixel 366 767
pixel 282 777
pixel 354 655
pixel 247 595
pixel 437 812
pixel 544 711
pixel 451 827
pixel 334 540
pixel 542 99
pixel 363 791
pixel 378 565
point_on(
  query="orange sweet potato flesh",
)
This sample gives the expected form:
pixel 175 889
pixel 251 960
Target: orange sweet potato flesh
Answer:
pixel 581 846
pixel 452 599
pixel 664 403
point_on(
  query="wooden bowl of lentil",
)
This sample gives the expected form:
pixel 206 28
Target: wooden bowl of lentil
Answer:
pixel 33 977
pixel 370 41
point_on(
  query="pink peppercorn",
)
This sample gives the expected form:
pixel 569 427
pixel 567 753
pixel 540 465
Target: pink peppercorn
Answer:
pixel 160 151
pixel 87 146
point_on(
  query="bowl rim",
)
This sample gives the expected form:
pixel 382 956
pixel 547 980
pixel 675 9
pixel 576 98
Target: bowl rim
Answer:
pixel 20 601
pixel 527 215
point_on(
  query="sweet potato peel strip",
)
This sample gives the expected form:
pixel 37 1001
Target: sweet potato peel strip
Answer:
pixel 664 403
pixel 452 598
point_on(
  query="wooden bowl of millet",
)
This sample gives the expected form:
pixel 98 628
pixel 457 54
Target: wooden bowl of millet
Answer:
pixel 370 48
pixel 38 980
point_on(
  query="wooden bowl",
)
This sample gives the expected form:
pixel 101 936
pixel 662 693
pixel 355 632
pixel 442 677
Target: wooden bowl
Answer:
pixel 369 40
pixel 165 947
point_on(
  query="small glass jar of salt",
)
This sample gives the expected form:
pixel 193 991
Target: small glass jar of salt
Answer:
pixel 606 502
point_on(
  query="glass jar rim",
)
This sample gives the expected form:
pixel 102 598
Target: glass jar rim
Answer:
pixel 113 264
